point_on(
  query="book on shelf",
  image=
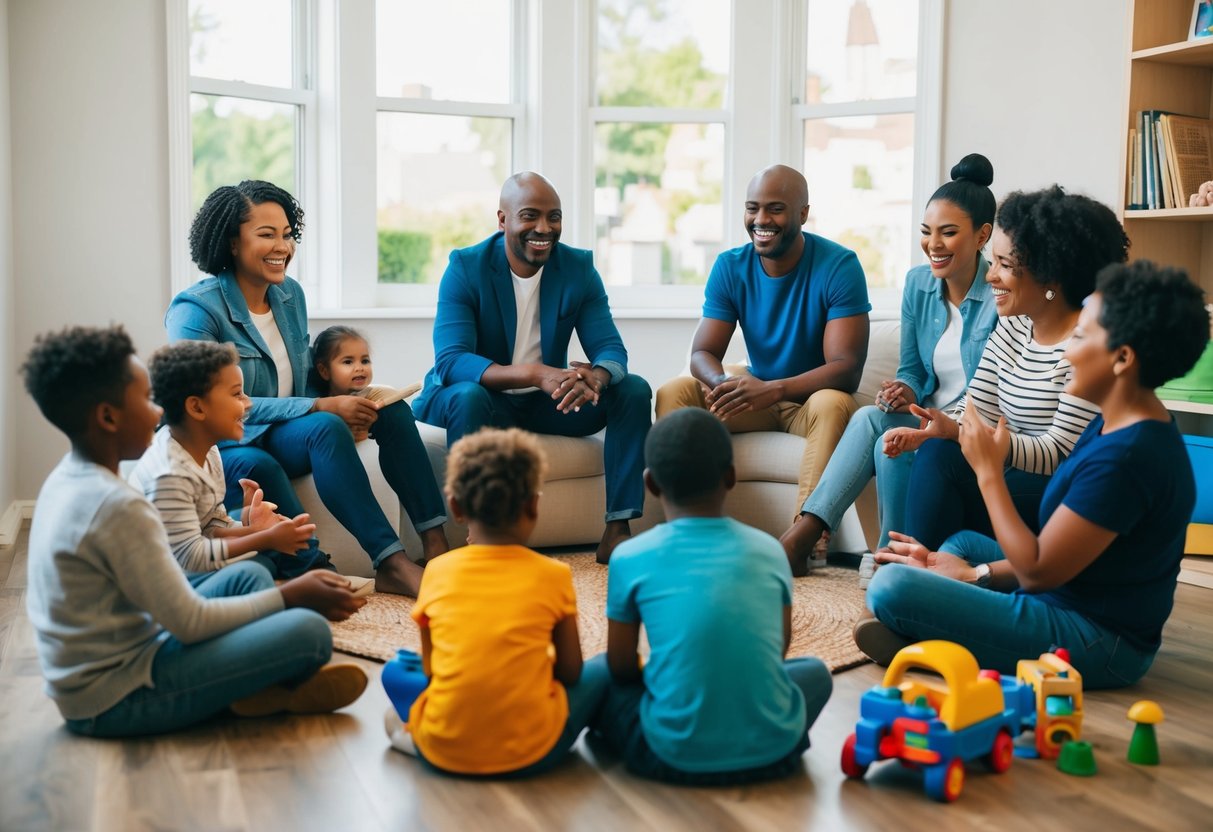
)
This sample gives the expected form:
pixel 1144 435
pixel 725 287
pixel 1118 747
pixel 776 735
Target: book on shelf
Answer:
pixel 1171 155
pixel 1191 150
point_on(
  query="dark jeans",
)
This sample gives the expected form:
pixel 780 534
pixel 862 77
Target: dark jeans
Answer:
pixel 619 723
pixel 321 443
pixel 625 410
pixel 944 498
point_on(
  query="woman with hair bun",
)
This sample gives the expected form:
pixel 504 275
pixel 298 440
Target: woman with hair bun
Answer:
pixel 947 313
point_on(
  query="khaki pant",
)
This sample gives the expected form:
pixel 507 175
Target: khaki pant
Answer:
pixel 821 421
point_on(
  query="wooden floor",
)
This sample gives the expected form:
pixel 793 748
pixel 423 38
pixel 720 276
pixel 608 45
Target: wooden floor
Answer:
pixel 337 772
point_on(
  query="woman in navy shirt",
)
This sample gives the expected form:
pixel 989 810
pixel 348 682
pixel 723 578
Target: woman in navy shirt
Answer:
pixel 1100 578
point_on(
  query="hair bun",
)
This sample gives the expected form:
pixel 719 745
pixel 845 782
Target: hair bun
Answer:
pixel 974 168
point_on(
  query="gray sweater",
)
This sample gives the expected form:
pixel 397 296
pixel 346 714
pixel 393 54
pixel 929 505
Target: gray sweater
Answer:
pixel 105 591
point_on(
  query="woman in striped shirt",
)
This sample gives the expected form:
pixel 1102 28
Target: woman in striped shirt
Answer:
pixel 1048 246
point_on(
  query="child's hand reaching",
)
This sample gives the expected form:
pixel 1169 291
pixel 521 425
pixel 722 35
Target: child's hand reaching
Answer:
pixel 258 513
pixel 291 536
pixel 325 592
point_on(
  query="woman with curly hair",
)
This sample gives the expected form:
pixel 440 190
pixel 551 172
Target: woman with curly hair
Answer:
pixel 1048 246
pixel 1099 578
pixel 244 236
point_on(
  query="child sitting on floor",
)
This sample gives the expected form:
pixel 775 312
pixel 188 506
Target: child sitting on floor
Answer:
pixel 508 693
pixel 342 359
pixel 127 647
pixel 201 390
pixel 716 703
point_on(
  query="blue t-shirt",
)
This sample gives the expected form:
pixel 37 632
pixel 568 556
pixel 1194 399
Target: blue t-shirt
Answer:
pixel 784 318
pixel 1137 482
pixel 711 593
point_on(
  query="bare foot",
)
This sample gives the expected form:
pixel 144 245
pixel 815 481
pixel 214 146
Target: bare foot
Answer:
pixel 398 575
pixel 616 532
pixel 433 544
pixel 798 542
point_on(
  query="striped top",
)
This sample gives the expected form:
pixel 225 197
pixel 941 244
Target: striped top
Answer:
pixel 1023 381
pixel 189 498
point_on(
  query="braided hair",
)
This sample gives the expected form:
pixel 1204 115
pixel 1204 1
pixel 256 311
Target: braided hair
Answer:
pixel 492 474
pixel 220 216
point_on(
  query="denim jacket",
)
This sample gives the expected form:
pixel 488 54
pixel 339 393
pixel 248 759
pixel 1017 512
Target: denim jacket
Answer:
pixel 214 309
pixel 924 318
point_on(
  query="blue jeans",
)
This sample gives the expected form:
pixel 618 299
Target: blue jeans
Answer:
pixel 322 444
pixel 999 628
pixel 585 698
pixel 625 410
pixel 944 498
pixel 859 457
pixel 192 682
pixel 619 723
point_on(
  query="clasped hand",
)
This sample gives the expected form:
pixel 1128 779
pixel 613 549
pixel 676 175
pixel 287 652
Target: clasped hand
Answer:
pixel 737 394
pixel 573 387
pixel 906 550
pixel 895 397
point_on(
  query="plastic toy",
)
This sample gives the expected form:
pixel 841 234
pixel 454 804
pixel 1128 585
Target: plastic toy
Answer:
pixel 938 726
pixel 1143 747
pixel 404 679
pixel 1077 758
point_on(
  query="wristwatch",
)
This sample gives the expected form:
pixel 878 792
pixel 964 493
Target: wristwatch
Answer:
pixel 982 575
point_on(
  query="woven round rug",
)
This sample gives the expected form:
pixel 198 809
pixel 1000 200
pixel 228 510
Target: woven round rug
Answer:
pixel 825 606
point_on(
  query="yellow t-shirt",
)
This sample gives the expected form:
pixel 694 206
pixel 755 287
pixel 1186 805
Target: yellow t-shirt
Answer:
pixel 492 704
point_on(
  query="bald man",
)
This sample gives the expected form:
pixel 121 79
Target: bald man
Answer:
pixel 507 308
pixel 802 304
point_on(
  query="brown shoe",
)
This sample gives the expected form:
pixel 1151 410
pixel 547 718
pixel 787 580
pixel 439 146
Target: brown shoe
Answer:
pixel 877 641
pixel 329 688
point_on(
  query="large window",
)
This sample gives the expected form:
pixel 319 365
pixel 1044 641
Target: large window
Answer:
pixel 396 121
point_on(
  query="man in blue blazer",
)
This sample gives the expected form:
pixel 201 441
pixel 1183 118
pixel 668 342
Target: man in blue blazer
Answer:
pixel 507 308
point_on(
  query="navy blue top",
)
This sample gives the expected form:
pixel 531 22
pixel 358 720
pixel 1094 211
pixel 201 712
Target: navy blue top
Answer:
pixel 1137 482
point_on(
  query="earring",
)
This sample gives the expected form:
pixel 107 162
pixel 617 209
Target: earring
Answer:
pixel 1050 294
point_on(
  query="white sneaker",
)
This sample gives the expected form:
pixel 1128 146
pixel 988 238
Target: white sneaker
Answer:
pixel 867 568
pixel 398 733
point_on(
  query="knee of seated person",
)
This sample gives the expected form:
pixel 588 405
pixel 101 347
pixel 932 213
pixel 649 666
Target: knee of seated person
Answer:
pixel 677 392
pixel 469 396
pixel 310 628
pixel 830 401
pixel 256 576
pixel 633 387
pixel 889 586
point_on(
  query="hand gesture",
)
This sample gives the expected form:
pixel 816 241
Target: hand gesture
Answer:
pixel 741 393
pixel 325 592
pixel 569 388
pixel 986 448
pixel 906 550
pixel 933 424
pixel 291 535
pixel 895 397
pixel 355 411
pixel 257 514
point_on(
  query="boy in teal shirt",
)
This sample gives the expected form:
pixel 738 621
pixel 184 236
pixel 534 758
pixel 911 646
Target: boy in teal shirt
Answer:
pixel 716 703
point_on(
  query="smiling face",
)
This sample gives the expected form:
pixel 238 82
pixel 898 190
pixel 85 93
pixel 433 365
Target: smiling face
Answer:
pixel 776 208
pixel 1093 363
pixel 530 216
pixel 1016 292
pixel 264 247
pixel 223 409
pixel 136 421
pixel 349 369
pixel 950 240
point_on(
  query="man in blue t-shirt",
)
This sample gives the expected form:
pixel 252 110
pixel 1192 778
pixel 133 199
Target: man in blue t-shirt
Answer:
pixel 802 303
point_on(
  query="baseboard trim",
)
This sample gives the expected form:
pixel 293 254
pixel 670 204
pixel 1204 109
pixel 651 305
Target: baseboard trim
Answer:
pixel 13 519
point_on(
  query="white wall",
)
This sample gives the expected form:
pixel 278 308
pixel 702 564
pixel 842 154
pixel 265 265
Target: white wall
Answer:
pixel 8 382
pixel 90 185
pixel 1036 85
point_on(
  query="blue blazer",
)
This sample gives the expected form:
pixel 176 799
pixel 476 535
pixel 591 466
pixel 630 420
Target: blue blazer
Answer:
pixel 477 318
pixel 923 321
pixel 213 309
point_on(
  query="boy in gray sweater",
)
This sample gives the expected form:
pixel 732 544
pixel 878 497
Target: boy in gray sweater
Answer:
pixel 127 647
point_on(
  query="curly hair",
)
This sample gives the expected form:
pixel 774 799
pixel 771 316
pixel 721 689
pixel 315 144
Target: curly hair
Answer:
pixel 1158 312
pixel 184 369
pixel 1062 239
pixel 969 189
pixel 68 373
pixel 687 453
pixel 493 473
pixel 220 216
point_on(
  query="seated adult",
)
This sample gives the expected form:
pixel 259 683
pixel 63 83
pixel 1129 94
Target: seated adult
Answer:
pixel 245 236
pixel 1100 578
pixel 507 308
pixel 802 303
pixel 1048 247
pixel 947 313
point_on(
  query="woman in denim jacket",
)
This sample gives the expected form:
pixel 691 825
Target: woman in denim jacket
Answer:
pixel 947 314
pixel 245 236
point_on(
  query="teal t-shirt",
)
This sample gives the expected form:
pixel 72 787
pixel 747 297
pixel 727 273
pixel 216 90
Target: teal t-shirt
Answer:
pixel 710 593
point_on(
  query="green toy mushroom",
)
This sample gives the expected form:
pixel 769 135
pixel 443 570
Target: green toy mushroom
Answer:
pixel 1143 747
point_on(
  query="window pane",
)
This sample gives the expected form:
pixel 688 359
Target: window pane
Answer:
pixel 235 139
pixel 236 40
pixel 662 53
pixel 861 178
pixel 860 50
pixel 439 182
pixel 657 209
pixel 457 52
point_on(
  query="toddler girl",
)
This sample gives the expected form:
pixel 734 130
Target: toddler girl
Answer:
pixel 342 360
